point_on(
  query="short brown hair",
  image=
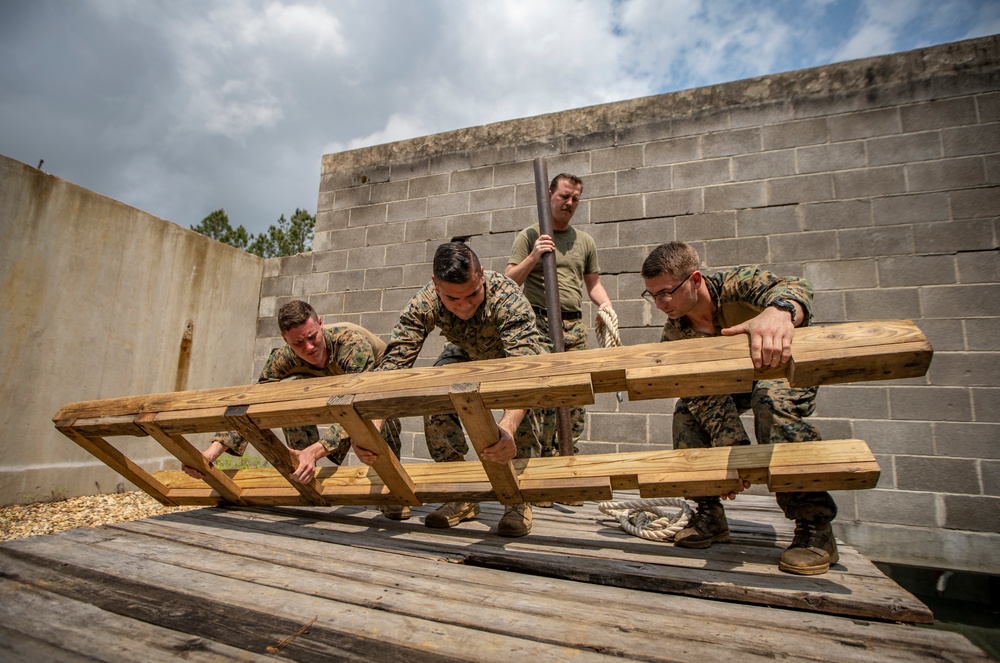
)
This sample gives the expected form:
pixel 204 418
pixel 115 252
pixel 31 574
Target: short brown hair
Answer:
pixel 674 258
pixel 572 179
pixel 455 262
pixel 295 313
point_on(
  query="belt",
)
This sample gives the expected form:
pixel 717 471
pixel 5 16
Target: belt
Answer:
pixel 566 315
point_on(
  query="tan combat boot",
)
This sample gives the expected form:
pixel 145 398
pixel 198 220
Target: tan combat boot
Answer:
pixel 708 526
pixel 451 514
pixel 395 511
pixel 516 520
pixel 813 550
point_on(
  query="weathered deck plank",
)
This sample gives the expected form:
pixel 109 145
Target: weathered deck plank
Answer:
pixel 232 582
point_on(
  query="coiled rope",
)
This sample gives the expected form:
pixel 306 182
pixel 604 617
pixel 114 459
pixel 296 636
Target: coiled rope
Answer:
pixel 606 328
pixel 649 519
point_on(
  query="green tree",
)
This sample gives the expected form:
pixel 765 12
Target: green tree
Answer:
pixel 216 225
pixel 288 237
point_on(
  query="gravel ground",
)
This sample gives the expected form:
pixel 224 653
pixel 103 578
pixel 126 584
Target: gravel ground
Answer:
pixel 89 511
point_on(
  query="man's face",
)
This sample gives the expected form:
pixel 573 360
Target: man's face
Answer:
pixel 672 295
pixel 563 202
pixel 462 299
pixel 307 342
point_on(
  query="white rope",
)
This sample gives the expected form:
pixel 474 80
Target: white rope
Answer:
pixel 648 519
pixel 606 328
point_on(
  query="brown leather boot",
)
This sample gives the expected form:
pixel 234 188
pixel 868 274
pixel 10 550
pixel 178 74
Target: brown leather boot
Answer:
pixel 451 514
pixel 813 549
pixel 708 526
pixel 516 520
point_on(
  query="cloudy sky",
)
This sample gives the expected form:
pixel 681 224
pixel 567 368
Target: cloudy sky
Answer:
pixel 182 107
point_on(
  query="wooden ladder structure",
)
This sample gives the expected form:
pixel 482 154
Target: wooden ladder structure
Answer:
pixel 830 354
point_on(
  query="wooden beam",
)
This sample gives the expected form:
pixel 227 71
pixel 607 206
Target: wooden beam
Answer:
pixel 483 431
pixel 364 434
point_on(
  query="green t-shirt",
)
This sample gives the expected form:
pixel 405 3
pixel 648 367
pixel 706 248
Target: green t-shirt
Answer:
pixel 576 255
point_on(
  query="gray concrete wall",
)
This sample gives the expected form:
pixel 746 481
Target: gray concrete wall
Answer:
pixel 877 179
pixel 96 299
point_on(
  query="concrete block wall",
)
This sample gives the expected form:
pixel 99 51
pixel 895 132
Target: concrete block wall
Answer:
pixel 876 179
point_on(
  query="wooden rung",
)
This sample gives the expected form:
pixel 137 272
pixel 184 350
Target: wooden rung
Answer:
pixel 483 431
pixel 832 476
pixel 364 434
pixel 690 484
pixel 273 451
pixel 725 376
pixel 553 391
pixel 571 489
pixel 904 360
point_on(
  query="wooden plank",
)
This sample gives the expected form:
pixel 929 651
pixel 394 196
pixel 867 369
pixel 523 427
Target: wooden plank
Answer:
pixel 903 360
pixel 483 432
pixel 187 454
pixel 831 476
pixel 119 462
pixel 570 489
pixel 364 434
pixel 607 367
pixel 273 451
pixel 690 484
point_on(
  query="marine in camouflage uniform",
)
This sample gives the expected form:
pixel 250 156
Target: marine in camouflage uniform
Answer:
pixel 779 410
pixel 502 326
pixel 350 349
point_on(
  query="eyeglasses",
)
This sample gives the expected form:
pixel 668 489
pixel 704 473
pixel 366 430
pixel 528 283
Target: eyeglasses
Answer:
pixel 664 295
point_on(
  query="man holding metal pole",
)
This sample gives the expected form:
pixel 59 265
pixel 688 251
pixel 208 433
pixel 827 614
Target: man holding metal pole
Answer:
pixel 555 291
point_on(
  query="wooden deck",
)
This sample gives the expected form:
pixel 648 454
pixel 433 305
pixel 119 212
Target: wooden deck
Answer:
pixel 344 583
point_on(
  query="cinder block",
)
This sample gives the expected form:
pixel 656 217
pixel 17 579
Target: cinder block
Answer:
pixel 465 225
pixel 631 312
pixel 617 208
pixel 804 245
pixel 359 301
pixel 800 189
pixel 905 148
pixel 379 322
pixel 852 401
pixel 491 154
pixel 515 220
pixel 983 334
pixel 640 335
pixel 369 215
pixel 991 477
pixel 917 509
pixel 842 274
pixel 954 236
pixel 979 267
pixel 702 122
pixel 944 335
pixel 761 114
pixel 630 428
pixel 836 215
pixel 298 264
pixel 308 284
pixel 895 437
pixel 961 301
pixel 645 133
pixel 944 174
pixel 321 242
pixel 644 232
pixel 276 286
pixel 912 270
pixel 938 114
pixel 834 156
pixel 491 199
pixel 604 234
pixel 735 196
pixel 448 204
pixel 354 197
pixel 767 221
pixel 417 275
pixel 986 404
pixel 965 369
pixel 972 513
pixel 332 220
pixel 329 261
pixel 729 143
pixel 828 307
pixel 864 124
pixel 327 302
pixel 675 203
pixel 988 106
pixel 428 185
pixel 910 208
pixel 383 277
pixel 975 203
pixel 794 134
pixel 878 241
pixel 660 429
pixel 575 164
pixel 349 279
pixel 741 251
pixel 672 150
pixel 598 186
pixel 628 259
pixel 494 245
pixel 427 229
pixel 833 429
pixel 777 163
pixel 366 257
pixel 930 403
pixel 870 182
pixel 385 192
pixel 408 170
pixel 706 226
pixel 641 180
pixel 515 172
pixel 387 233
pixel 702 173
pixel 325 201
pixel 882 304
pixel 591 141
pixel 978 139
pixel 407 210
pixel 616 158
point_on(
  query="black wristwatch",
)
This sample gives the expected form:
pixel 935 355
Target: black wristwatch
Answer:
pixel 784 305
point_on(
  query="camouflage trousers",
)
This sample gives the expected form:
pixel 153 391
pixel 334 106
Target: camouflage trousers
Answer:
pixel 546 420
pixel 779 412
pixel 444 434
pixel 335 441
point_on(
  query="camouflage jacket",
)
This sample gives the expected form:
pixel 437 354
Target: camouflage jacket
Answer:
pixel 741 293
pixel 503 325
pixel 350 349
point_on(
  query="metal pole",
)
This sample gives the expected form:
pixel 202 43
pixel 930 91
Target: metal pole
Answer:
pixel 552 306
